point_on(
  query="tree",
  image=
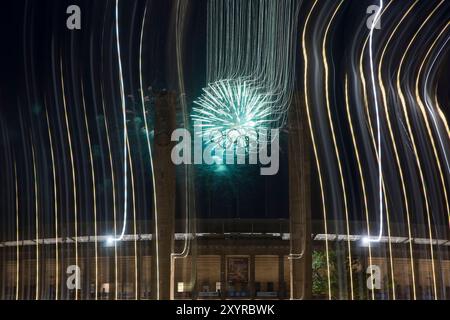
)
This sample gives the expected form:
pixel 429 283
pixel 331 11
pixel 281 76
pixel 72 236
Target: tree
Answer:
pixel 320 274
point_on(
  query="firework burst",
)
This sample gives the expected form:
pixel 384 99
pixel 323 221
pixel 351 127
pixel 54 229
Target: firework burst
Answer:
pixel 232 112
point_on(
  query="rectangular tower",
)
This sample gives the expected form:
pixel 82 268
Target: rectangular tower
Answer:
pixel 164 210
pixel 300 201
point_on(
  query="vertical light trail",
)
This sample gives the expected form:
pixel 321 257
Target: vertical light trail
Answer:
pixel 361 175
pixel 253 40
pixel 55 200
pixel 94 193
pixel 442 116
pixel 431 111
pixel 368 239
pixel 316 156
pixel 394 145
pixel 36 208
pixel 427 123
pixel 391 261
pixel 181 6
pixel 416 154
pixel 366 104
pixel 336 149
pixel 72 163
pixel 111 164
pixel 447 129
pixel 375 97
pixel 134 222
pixel 125 131
pixel 147 138
pixel 17 232
pixel 113 182
pixel 125 155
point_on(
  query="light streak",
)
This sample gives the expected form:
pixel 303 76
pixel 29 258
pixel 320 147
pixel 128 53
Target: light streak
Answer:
pixel 72 164
pixel 336 149
pixel 361 175
pixel 147 138
pixel 181 7
pixel 394 145
pixel 256 46
pixel 427 124
pixel 17 232
pixel 316 156
pixel 36 208
pixel 134 223
pixel 441 115
pixel 55 203
pixel 125 130
pixel 366 240
pixel 110 240
pixel 94 193
pixel 116 239
pixel 411 136
pixel 379 155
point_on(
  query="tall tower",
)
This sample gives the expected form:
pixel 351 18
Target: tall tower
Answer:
pixel 164 210
pixel 300 258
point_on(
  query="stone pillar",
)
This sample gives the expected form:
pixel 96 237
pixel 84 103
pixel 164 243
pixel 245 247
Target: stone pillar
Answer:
pixel 111 276
pixel 223 276
pixel 300 201
pixel 251 284
pixel 281 285
pixel 418 277
pixel 164 216
pixel 440 287
pixel 139 270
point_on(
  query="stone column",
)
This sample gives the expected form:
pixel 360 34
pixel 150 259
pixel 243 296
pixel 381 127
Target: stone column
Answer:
pixel 164 216
pixel 223 276
pixel 281 286
pixel 251 284
pixel 300 201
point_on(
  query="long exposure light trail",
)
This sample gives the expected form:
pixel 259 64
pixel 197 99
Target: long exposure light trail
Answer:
pixel 181 9
pixel 375 98
pixel 125 131
pixel 336 149
pixel 36 212
pixel 433 112
pixel 16 187
pixel 420 103
pixel 72 165
pixel 55 204
pixel 361 175
pixel 94 193
pixel 411 136
pixel 314 144
pixel 149 148
pixel 366 104
pixel 133 201
pixel 113 184
pixel 394 144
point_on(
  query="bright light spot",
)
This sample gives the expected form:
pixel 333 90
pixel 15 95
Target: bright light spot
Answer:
pixel 110 241
pixel 365 241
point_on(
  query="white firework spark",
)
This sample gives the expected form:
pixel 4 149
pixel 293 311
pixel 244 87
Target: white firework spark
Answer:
pixel 232 111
